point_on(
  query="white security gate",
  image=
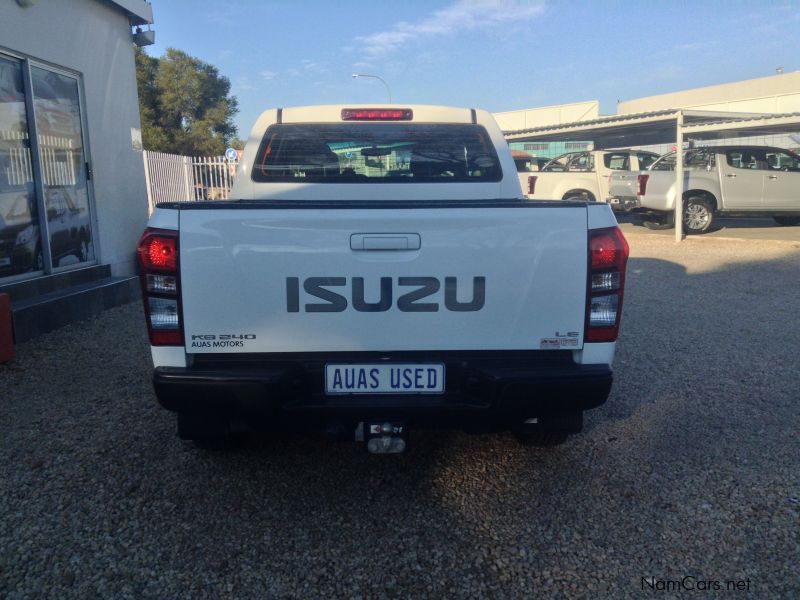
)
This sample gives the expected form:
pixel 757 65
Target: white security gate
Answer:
pixel 176 178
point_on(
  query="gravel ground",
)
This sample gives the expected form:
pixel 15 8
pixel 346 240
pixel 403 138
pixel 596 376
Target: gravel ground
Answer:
pixel 692 468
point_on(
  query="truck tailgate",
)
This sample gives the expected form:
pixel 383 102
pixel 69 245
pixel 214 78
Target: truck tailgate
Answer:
pixel 263 279
pixel 623 184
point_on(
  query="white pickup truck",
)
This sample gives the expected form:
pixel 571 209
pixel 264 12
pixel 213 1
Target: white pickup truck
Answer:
pixel 754 181
pixel 380 270
pixel 583 175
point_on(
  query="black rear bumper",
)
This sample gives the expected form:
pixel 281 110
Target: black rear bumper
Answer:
pixel 482 386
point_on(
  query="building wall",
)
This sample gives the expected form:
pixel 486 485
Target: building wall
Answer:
pixel 547 115
pixel 773 94
pixel 94 39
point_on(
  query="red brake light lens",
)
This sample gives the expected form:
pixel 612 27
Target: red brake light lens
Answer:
pixel 377 114
pixel 158 250
pixel 642 184
pixel 531 184
pixel 607 249
pixel 166 338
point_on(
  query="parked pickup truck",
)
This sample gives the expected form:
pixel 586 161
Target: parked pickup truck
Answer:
pixel 583 175
pixel 718 180
pixel 380 271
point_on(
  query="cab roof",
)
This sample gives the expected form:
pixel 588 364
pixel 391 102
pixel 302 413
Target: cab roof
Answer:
pixel 332 113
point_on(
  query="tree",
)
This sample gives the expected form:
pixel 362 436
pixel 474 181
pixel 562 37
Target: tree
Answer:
pixel 153 136
pixel 236 143
pixel 185 104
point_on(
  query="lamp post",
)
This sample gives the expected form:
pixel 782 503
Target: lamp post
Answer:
pixel 357 75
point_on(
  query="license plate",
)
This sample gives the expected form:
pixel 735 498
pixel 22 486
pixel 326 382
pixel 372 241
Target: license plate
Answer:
pixel 384 378
pixel 5 262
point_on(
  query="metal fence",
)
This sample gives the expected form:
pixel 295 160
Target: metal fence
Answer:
pixel 176 178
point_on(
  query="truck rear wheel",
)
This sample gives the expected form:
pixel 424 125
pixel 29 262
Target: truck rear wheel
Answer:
pixel 698 215
pixel 787 221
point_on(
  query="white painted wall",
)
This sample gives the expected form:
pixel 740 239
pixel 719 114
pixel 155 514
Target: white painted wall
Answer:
pixel 773 94
pixel 93 38
pixel 547 115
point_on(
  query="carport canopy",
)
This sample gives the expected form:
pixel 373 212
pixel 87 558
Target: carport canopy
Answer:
pixel 663 127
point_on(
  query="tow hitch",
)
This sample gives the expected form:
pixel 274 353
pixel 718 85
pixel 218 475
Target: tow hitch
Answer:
pixel 385 437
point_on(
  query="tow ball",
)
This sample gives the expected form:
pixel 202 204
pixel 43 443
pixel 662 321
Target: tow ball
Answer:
pixel 385 437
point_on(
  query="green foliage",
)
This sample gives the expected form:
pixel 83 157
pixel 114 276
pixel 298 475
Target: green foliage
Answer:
pixel 185 104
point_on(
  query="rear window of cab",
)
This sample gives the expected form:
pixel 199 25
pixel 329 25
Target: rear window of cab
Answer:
pixel 376 153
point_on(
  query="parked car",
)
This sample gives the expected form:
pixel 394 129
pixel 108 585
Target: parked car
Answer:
pixel 20 250
pixel 415 288
pixel 68 225
pixel 718 181
pixel 20 244
pixel 583 175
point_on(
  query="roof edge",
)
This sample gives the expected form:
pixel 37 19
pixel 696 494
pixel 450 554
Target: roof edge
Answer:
pixel 140 12
pixel 662 114
pixel 547 107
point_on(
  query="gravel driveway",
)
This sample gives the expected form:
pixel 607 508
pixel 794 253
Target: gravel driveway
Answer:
pixel 692 468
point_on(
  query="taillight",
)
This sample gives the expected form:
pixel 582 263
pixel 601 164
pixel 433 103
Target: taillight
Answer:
pixel 160 277
pixel 377 114
pixel 531 184
pixel 641 187
pixel 608 256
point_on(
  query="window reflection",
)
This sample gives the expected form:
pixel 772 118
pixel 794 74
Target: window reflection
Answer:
pixel 20 250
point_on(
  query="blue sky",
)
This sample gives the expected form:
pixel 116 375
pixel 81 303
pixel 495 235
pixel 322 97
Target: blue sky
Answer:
pixel 492 54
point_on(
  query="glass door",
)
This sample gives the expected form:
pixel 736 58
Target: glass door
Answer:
pixel 62 159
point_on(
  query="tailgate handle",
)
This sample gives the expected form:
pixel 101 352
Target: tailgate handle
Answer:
pixel 385 241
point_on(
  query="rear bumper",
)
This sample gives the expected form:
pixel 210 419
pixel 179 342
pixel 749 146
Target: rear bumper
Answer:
pixel 490 386
pixel 624 203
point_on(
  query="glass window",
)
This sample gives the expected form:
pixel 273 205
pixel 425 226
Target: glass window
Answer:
pixel 699 158
pixel 782 161
pixel 646 159
pixel 750 158
pixel 581 162
pixel 737 159
pixel 617 161
pixel 702 157
pixel 665 163
pixel 530 164
pixel 523 165
pixel 376 153
pixel 56 103
pixel 20 250
pixel 560 163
